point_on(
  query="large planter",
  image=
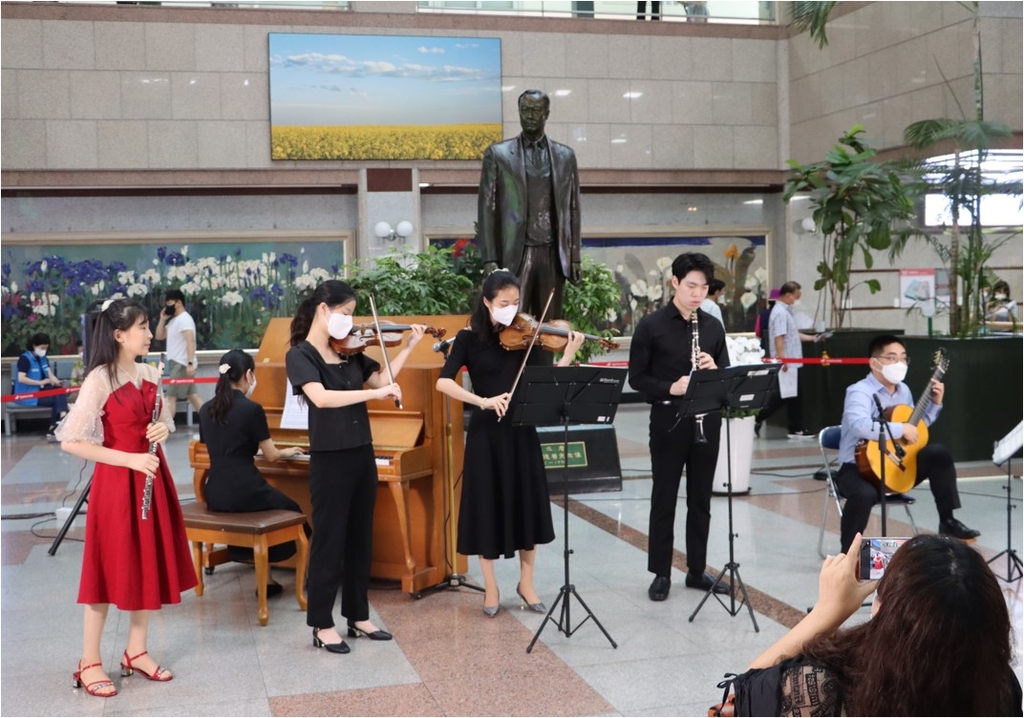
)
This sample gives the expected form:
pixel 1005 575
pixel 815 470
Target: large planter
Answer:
pixel 741 440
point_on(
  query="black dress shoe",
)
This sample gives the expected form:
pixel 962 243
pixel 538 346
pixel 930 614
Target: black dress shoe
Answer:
pixel 956 529
pixel 340 647
pixel 704 582
pixel 659 588
pixel 377 635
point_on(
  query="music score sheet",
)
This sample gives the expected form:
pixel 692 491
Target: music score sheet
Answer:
pixel 788 382
pixel 296 413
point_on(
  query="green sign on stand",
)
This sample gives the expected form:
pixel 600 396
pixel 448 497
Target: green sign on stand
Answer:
pixel 554 455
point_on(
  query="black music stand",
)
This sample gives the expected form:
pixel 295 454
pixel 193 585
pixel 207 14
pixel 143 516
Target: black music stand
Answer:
pixel 727 390
pixel 552 396
pixel 1004 451
pixel 70 519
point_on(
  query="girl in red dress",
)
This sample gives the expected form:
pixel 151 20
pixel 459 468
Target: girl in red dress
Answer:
pixel 137 564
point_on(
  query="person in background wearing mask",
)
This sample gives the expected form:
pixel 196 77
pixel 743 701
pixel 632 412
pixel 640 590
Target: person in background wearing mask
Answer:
pixel 33 374
pixel 1000 308
pixel 888 364
pixel 505 506
pixel 179 329
pixel 234 428
pixel 784 343
pixel 710 303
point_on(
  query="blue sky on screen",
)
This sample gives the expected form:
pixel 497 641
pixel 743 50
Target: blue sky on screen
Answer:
pixel 384 80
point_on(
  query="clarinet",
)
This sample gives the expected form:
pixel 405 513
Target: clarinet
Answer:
pixel 147 492
pixel 694 365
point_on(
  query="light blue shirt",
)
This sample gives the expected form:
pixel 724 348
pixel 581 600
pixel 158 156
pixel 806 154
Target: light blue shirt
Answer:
pixel 859 413
pixel 711 307
pixel 782 323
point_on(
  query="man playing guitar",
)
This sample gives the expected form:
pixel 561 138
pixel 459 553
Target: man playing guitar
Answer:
pixel 888 363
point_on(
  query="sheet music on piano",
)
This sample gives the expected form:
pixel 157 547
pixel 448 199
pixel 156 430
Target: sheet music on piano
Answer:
pixel 296 413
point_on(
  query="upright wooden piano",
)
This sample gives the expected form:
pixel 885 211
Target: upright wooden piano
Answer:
pixel 411 520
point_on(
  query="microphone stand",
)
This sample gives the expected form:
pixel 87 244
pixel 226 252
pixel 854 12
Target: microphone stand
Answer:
pixel 883 429
pixel 453 579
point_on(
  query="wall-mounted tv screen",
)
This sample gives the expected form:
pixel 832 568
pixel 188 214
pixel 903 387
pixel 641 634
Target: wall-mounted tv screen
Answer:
pixel 373 97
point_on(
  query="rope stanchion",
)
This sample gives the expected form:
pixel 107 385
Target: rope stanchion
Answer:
pixel 71 389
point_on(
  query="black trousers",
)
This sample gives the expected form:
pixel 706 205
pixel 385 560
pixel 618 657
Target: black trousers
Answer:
pixel 641 10
pixel 672 450
pixel 58 407
pixel 793 411
pixel 343 491
pixel 934 463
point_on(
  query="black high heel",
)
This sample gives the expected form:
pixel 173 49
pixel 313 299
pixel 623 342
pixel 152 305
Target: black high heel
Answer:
pixel 341 647
pixel 377 635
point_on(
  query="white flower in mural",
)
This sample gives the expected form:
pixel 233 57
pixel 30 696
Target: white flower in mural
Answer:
pixel 612 315
pixel 744 350
pixel 190 288
pixel 231 299
pixel 137 290
pixel 639 288
pixel 747 299
pixel 663 263
pixel 655 292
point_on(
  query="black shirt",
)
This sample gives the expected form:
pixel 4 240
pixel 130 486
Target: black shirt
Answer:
pixel 659 353
pixel 491 367
pixel 339 428
pixel 238 439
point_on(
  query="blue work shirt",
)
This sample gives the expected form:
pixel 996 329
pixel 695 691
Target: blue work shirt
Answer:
pixel 859 413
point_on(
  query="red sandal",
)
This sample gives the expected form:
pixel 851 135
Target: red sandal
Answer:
pixel 94 688
pixel 127 668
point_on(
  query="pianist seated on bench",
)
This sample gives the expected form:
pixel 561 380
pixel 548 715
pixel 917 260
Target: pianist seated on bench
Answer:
pixel 233 429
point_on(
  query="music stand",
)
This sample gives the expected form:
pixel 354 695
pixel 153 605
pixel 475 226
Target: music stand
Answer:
pixel 727 390
pixel 552 396
pixel 1004 451
pixel 70 519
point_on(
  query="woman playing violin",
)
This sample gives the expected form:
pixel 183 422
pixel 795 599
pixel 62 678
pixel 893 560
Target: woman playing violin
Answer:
pixel 505 505
pixel 342 469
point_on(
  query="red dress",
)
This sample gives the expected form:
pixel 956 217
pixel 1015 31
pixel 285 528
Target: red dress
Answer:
pixel 131 563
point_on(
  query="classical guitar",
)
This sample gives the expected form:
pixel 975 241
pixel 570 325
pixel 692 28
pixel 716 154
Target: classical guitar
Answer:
pixel 901 476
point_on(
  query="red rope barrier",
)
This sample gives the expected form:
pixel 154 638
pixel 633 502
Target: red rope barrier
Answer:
pixel 70 389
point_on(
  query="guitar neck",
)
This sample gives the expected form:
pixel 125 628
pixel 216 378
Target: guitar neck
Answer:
pixel 925 400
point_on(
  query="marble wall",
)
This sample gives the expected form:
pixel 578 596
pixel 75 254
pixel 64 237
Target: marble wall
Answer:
pixel 886 66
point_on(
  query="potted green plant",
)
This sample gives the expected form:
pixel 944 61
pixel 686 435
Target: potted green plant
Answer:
pixel 860 206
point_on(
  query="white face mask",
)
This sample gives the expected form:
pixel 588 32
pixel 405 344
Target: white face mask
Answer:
pixel 796 302
pixel 40 352
pixel 1000 297
pixel 505 315
pixel 894 373
pixel 339 326
pixel 252 387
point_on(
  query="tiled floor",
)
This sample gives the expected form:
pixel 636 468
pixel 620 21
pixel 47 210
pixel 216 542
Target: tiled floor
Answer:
pixel 448 659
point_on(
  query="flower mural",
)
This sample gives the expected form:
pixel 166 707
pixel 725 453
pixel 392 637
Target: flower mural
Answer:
pixel 231 294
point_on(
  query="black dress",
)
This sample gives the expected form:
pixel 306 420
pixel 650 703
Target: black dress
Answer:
pixel 505 505
pixel 234 483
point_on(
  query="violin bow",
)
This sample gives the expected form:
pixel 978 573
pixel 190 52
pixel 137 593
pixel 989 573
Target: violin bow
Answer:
pixel 383 348
pixel 147 491
pixel 526 354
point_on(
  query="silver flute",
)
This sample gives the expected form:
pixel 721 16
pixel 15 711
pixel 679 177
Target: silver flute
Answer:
pixel 147 492
pixel 694 366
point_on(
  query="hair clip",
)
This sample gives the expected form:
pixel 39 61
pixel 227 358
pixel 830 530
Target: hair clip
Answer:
pixel 106 305
pixel 224 368
pixel 502 269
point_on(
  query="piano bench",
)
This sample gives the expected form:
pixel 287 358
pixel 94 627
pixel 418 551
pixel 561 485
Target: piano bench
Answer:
pixel 258 530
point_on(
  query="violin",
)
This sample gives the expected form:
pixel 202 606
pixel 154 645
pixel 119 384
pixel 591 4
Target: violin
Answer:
pixel 365 335
pixel 552 336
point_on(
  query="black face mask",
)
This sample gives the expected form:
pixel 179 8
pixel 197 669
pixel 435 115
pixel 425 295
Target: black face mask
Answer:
pixel 169 310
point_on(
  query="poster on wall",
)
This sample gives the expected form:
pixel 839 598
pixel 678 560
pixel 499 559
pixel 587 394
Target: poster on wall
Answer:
pixel 917 288
pixel 232 287
pixel 375 97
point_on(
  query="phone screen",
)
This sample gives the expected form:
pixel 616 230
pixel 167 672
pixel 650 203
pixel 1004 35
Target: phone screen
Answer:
pixel 875 555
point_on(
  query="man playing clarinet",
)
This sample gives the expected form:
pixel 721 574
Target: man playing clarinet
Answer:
pixel 667 345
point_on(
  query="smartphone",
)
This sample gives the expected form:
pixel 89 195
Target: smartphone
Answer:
pixel 875 555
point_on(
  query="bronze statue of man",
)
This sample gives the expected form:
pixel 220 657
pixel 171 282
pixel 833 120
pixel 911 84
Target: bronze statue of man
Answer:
pixel 528 218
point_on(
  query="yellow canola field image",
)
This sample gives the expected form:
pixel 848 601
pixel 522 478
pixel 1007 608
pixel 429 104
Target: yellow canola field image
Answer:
pixel 376 142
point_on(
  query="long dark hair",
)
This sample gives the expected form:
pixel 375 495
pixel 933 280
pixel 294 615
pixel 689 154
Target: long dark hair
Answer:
pixel 237 363
pixel 332 293
pixel 120 314
pixel 939 643
pixel 480 322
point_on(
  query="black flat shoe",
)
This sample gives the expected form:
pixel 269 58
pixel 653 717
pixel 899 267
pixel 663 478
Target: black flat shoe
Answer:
pixel 704 582
pixel 273 589
pixel 340 647
pixel 957 529
pixel 659 588
pixel 377 635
